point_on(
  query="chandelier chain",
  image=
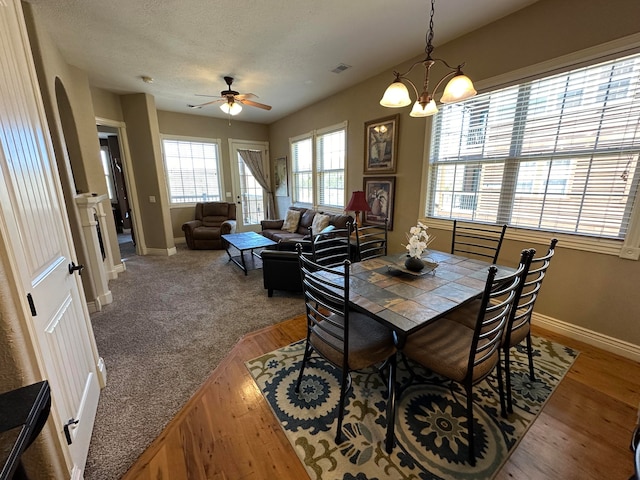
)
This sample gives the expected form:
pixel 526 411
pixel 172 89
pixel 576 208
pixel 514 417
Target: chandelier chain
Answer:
pixel 429 48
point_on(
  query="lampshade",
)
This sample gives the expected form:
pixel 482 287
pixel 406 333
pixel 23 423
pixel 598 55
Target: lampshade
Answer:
pixel 396 95
pixel 428 110
pixel 459 88
pixel 358 202
pixel 232 108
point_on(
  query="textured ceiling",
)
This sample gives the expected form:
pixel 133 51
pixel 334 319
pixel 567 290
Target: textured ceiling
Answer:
pixel 281 50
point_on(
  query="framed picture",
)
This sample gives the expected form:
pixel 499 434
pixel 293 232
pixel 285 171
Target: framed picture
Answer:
pixel 380 192
pixel 381 145
pixel 280 176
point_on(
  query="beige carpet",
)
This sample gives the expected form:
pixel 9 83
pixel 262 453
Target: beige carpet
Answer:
pixel 171 322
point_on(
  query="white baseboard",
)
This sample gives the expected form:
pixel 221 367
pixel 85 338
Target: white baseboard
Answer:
pixel 112 274
pixel 94 307
pixel 106 298
pixel 164 252
pixel 76 473
pixel 118 269
pixel 610 344
pixel 102 372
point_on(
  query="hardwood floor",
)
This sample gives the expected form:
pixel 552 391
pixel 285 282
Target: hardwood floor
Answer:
pixel 227 430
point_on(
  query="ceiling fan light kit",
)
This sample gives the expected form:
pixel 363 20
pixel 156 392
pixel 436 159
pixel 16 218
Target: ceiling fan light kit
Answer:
pixel 459 87
pixel 232 101
pixel 231 108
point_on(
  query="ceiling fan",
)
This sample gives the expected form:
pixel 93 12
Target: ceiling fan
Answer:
pixel 231 100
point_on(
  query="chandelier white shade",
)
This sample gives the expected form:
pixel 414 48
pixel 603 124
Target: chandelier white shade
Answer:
pixel 396 96
pixel 424 111
pixel 459 88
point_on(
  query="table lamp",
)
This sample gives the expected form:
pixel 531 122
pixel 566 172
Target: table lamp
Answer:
pixel 357 204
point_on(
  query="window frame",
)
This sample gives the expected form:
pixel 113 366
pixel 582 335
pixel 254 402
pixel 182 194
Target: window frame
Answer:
pixel 317 175
pixel 197 140
pixel 629 247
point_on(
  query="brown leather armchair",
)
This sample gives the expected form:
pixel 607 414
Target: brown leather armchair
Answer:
pixel 212 220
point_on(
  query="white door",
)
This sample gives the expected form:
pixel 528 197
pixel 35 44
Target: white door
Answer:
pixel 35 229
pixel 247 192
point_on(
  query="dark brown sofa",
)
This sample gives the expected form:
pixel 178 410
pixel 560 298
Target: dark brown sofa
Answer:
pixel 212 220
pixel 287 240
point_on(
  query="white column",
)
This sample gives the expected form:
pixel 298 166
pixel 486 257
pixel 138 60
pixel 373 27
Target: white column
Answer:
pixel 91 213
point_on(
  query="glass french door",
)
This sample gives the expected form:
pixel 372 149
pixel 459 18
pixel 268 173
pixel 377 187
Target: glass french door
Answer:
pixel 248 194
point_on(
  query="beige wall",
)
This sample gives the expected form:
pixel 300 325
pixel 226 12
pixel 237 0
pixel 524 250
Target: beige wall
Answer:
pixel 140 115
pixel 106 105
pixel 211 128
pixel 587 290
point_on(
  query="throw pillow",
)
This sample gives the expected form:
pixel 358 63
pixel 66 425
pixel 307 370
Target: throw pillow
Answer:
pixel 320 222
pixel 291 221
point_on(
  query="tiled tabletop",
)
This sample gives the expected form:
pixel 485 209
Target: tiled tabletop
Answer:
pixel 408 302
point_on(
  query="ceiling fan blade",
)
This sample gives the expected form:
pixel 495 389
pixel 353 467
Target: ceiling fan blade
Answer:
pixel 255 104
pixel 205 104
pixel 244 96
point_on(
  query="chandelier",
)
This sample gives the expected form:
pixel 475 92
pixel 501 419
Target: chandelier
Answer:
pixel 459 87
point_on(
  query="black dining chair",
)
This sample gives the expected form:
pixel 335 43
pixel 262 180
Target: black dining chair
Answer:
pixel 333 247
pixel 347 339
pixel 481 240
pixel 519 326
pixel 635 448
pixel 371 241
pixel 519 322
pixel 468 356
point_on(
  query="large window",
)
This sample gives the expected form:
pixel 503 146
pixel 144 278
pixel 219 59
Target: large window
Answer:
pixel 192 170
pixel 558 154
pixel 318 167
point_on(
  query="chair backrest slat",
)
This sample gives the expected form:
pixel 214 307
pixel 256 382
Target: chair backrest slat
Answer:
pixel 332 248
pixel 371 241
pixel 477 239
pixel 326 290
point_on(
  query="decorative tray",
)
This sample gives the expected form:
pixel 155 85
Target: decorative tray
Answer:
pixel 429 267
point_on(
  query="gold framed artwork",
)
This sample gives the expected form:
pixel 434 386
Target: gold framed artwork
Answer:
pixel 380 193
pixel 281 177
pixel 381 145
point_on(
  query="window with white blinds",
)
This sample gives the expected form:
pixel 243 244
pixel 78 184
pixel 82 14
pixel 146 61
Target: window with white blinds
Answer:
pixel 558 154
pixel 302 170
pixel 318 167
pixel 192 169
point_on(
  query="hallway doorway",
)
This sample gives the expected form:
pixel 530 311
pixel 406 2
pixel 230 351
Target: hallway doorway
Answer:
pixel 115 176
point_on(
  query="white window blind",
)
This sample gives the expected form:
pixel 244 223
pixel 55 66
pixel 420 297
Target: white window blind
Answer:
pixel 192 170
pixel 318 167
pixel 558 154
pixel 302 170
pixel 330 148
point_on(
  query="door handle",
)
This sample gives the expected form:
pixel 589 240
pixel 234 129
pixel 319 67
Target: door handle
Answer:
pixel 67 434
pixel 73 268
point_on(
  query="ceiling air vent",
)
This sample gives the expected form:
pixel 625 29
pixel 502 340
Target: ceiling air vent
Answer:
pixel 341 68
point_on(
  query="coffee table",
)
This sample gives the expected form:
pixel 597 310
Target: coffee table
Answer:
pixel 242 242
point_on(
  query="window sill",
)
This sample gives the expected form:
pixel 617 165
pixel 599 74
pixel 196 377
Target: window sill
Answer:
pixel 605 246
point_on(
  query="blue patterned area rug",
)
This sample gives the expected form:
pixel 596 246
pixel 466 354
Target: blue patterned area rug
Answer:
pixel 431 430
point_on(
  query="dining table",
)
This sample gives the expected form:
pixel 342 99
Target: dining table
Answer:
pixel 406 301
